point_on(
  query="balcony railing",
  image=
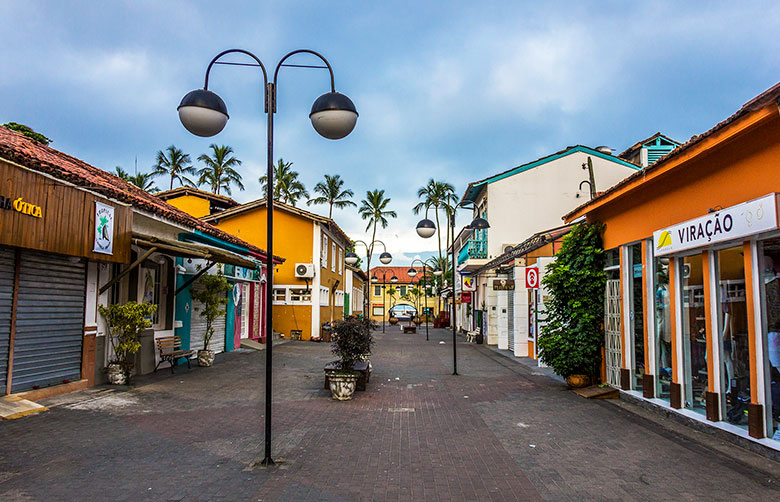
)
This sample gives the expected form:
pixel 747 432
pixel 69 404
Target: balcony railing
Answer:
pixel 474 248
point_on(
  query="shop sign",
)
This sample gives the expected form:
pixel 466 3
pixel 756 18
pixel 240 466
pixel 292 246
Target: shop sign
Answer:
pixel 742 220
pixel 20 206
pixel 469 283
pixel 465 297
pixel 532 278
pixel 241 273
pixel 104 228
pixel 503 285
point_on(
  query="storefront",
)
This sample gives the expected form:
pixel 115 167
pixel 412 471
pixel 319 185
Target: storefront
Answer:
pixel 692 303
pixel 52 235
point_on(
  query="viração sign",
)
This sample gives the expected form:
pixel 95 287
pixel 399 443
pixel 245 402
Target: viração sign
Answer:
pixel 20 206
pixel 742 220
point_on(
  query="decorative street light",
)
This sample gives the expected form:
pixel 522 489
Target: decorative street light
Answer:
pixel 478 223
pixel 333 116
pixel 412 272
pixel 375 279
pixel 352 258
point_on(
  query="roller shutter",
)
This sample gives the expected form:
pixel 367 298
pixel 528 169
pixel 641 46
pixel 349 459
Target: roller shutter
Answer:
pixel 7 265
pixel 510 309
pixel 49 321
pixel 198 329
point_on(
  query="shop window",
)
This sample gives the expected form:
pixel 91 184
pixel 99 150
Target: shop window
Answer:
pixel 300 295
pixel 694 341
pixel 636 314
pixel 770 279
pixel 663 327
pixel 733 335
pixel 152 290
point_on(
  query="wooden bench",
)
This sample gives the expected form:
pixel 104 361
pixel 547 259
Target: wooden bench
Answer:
pixel 171 351
pixel 471 336
pixel 410 329
pixel 364 367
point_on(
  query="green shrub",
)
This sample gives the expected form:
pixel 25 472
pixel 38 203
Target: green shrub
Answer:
pixel 570 342
pixel 125 323
pixel 213 295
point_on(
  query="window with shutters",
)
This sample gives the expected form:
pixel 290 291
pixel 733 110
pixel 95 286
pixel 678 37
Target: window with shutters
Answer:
pixel 341 261
pixel 377 290
pixel 333 256
pixel 324 296
pixel 324 258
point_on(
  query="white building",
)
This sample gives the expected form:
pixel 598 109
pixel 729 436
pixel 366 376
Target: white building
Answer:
pixel 519 203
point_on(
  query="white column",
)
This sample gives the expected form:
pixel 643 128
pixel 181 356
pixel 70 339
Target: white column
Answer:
pixel 315 283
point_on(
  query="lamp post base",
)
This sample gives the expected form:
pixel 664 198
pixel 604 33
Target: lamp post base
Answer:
pixel 268 462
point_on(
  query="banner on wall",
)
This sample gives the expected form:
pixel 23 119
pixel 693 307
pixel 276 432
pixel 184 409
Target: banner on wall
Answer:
pixel 104 228
pixel 469 284
pixel 749 218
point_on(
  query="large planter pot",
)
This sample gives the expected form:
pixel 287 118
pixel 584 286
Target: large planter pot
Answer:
pixel 205 357
pixel 578 381
pixel 417 321
pixel 342 384
pixel 116 375
pixel 479 338
pixel 393 321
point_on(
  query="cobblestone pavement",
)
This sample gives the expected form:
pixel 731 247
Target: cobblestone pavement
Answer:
pixel 499 431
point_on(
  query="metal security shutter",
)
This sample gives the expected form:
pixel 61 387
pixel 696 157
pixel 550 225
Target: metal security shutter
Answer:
pixel 612 331
pixel 7 264
pixel 198 329
pixel 510 312
pixel 49 321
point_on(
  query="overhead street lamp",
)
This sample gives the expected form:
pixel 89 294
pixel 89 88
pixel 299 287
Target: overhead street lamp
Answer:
pixel 333 116
pixel 424 230
pixel 352 258
pixel 375 279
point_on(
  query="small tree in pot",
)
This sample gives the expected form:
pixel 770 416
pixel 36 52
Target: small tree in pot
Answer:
pixel 125 323
pixel 352 343
pixel 212 293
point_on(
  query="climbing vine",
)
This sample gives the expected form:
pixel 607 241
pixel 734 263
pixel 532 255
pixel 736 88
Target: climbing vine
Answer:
pixel 571 340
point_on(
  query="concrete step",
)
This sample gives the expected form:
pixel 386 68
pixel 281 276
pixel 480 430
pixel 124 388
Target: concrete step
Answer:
pixel 16 407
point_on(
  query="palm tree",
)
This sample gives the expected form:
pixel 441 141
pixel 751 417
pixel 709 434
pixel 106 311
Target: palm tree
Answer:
pixel 331 193
pixel 121 173
pixel 176 164
pixel 438 194
pixel 374 209
pixel 219 172
pixel 144 182
pixel 287 187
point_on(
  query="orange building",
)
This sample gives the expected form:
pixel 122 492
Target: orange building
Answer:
pixel 693 261
pixel 310 286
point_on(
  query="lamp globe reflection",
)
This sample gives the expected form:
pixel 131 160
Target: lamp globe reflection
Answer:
pixel 333 115
pixel 385 258
pixel 426 228
pixel 351 258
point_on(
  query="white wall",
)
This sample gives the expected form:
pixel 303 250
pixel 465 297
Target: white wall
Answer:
pixel 536 200
pixel 521 313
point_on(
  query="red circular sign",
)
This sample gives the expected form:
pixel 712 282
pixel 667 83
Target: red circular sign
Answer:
pixel 532 278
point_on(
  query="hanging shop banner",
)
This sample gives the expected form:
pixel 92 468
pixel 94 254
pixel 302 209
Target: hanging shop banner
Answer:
pixel 465 297
pixel 742 220
pixel 532 277
pixel 104 228
pixel 503 284
pixel 469 283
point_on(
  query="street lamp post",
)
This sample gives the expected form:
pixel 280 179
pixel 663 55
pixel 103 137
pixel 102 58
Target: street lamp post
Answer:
pixel 426 228
pixel 333 116
pixel 352 258
pixel 375 279
pixel 412 272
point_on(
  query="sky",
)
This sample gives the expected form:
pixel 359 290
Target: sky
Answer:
pixel 454 91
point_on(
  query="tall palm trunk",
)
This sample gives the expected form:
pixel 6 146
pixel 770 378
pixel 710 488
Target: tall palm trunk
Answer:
pixel 330 211
pixel 438 239
pixel 171 182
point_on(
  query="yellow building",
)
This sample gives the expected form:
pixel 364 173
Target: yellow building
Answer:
pixel 387 295
pixel 310 286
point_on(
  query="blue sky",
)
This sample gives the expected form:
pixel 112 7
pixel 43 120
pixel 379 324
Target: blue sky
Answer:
pixel 451 90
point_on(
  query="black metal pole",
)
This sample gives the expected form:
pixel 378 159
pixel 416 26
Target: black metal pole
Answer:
pixel 269 297
pixel 454 340
pixel 384 303
pixel 425 292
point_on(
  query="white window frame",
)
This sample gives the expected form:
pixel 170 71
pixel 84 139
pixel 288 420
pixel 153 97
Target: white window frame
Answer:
pixel 338 297
pixel 341 261
pixel 324 296
pixel 286 295
pixel 332 256
pixel 324 254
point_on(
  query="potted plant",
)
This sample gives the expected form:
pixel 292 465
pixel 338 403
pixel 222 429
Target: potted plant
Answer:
pixel 352 342
pixel 213 295
pixel 571 338
pixel 125 323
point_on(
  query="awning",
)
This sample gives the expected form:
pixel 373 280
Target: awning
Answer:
pixel 192 250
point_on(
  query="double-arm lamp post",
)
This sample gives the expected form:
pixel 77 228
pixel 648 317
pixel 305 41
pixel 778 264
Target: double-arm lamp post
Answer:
pixel 204 113
pixel 426 228
pixel 412 272
pixel 352 258
pixel 393 280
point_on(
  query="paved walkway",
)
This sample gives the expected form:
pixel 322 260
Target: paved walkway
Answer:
pixel 499 431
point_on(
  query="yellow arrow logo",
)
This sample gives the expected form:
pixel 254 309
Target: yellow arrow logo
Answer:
pixel 664 240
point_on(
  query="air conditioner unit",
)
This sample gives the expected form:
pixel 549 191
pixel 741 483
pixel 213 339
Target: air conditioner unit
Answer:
pixel 304 270
pixel 505 248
